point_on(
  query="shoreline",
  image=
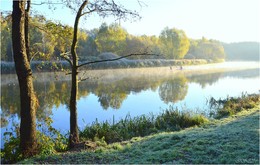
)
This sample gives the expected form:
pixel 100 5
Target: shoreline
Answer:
pixel 218 141
pixel 39 67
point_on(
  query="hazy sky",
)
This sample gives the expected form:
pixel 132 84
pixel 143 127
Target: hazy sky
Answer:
pixel 224 20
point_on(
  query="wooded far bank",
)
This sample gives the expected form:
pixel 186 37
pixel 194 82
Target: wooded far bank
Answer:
pixel 49 40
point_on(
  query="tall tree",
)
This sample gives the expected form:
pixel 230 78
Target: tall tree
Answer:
pixel 103 8
pixel 175 44
pixel 111 38
pixel 28 98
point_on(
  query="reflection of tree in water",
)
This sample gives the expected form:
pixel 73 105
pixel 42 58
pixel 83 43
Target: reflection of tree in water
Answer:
pixel 209 79
pixel 173 90
pixel 50 94
pixel 10 102
pixel 110 95
pixel 205 79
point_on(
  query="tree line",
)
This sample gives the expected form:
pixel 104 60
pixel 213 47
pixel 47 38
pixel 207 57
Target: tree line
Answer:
pixel 49 39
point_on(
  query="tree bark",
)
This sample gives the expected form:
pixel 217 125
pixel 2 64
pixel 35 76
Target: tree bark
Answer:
pixel 28 99
pixel 74 134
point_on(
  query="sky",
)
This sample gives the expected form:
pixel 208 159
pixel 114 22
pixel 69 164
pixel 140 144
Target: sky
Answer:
pixel 223 20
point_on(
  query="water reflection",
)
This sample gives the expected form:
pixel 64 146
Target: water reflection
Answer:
pixel 52 92
pixel 136 91
pixel 173 90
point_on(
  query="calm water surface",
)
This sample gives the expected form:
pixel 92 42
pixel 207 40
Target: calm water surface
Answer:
pixel 113 94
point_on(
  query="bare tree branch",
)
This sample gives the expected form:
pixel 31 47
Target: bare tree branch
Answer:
pixel 83 79
pixel 33 56
pixel 115 59
pixel 142 4
pixel 88 12
pixel 47 3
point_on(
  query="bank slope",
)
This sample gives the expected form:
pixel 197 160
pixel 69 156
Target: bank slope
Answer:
pixel 230 140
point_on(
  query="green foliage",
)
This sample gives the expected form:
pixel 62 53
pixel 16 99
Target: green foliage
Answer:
pixel 206 49
pixel 230 105
pixel 49 141
pixel 175 44
pixel 125 129
pixel 11 152
pixel 49 39
pixel 173 119
pixel 111 39
pixel 6 41
pixel 142 43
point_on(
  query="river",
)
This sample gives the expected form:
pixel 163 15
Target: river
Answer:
pixel 114 94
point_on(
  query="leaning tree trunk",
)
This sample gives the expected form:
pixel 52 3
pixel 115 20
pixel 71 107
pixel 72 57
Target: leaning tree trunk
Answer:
pixel 74 134
pixel 27 96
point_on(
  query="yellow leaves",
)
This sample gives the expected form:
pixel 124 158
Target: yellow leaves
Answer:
pixel 111 38
pixel 174 43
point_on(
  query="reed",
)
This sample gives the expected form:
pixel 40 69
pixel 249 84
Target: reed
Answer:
pixel 129 127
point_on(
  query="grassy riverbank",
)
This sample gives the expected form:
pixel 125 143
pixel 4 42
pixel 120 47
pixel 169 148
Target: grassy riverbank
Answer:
pixel 232 139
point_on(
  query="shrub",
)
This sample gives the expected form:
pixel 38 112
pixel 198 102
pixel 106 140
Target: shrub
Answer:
pixel 48 141
pixel 230 105
pixel 11 152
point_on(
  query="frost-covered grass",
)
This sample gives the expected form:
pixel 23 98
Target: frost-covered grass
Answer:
pixel 36 66
pixel 145 63
pixel 45 66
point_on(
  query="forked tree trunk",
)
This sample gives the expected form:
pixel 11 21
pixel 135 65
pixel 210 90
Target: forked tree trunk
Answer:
pixel 74 134
pixel 27 96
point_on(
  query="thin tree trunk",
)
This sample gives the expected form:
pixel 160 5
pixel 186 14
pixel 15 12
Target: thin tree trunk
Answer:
pixel 74 134
pixel 27 96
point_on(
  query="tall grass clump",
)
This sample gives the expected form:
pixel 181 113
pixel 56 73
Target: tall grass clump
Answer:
pixel 129 127
pixel 231 105
pixel 174 120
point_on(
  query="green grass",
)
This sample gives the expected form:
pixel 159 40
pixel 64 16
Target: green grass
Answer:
pixel 232 105
pixel 232 140
pixel 169 120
